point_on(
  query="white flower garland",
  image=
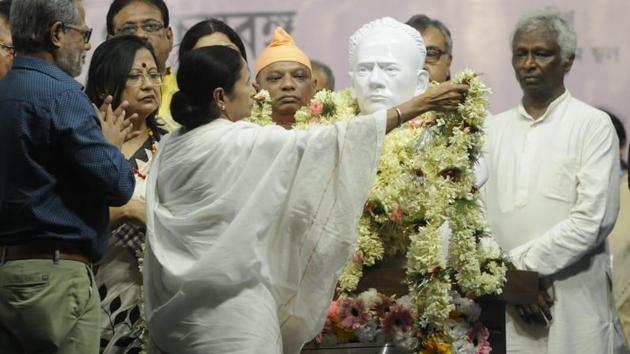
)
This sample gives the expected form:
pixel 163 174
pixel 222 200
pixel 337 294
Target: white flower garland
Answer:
pixel 425 178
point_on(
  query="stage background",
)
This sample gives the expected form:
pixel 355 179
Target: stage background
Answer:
pixel 480 31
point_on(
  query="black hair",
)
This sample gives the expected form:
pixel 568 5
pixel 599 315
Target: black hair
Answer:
pixel 201 71
pixel 621 133
pixel 205 28
pixel 326 70
pixel 110 67
pixel 5 10
pixel 619 128
pixel 422 22
pixel 118 5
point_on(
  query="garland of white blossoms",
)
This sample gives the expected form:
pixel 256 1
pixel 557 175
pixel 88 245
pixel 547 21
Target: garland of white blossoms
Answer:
pixel 444 163
pixel 425 177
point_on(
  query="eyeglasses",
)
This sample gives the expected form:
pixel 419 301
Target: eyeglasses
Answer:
pixel 149 26
pixel 136 79
pixel 434 54
pixel 87 33
pixel 8 49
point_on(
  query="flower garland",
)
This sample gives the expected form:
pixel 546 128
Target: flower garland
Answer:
pixel 261 111
pixel 425 187
pixel 445 161
pixel 372 317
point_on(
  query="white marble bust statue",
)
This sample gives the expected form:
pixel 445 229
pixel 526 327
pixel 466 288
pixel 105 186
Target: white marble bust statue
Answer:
pixel 386 58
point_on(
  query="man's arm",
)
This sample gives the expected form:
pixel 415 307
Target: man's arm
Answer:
pixel 86 149
pixel 593 215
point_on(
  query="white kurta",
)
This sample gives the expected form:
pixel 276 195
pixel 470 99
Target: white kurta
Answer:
pixel 552 199
pixel 248 228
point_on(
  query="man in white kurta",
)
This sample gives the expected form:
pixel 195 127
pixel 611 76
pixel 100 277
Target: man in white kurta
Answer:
pixel 552 198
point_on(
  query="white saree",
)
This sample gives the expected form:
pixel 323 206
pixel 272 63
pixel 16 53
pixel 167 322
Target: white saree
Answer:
pixel 247 230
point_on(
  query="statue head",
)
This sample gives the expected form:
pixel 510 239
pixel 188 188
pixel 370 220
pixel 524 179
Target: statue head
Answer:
pixel 386 58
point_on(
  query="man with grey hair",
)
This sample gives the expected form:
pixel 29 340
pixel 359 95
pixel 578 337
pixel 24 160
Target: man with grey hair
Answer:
pixel 552 197
pixel 437 39
pixel 59 172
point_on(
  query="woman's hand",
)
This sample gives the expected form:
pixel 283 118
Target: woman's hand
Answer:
pixel 444 97
pixel 116 128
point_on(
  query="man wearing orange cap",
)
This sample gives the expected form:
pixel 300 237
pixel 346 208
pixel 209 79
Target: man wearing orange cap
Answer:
pixel 285 71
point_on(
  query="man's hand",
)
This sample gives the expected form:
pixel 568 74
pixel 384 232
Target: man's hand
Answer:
pixel 538 313
pixel 115 127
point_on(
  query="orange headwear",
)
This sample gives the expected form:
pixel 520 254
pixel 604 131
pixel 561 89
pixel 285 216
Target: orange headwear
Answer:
pixel 281 48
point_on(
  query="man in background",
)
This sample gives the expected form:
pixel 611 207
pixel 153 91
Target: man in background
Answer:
pixel 553 196
pixel 619 239
pixel 284 70
pixel 437 39
pixel 323 75
pixel 7 52
pixel 59 173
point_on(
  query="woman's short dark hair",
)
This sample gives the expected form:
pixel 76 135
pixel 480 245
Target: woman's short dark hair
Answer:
pixel 206 28
pixel 110 67
pixel 201 71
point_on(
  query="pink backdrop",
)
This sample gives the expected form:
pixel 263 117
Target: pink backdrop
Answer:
pixel 480 29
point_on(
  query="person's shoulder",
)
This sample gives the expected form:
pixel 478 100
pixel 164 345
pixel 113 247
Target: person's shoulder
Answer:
pixel 39 86
pixel 589 114
pixel 510 114
pixel 501 119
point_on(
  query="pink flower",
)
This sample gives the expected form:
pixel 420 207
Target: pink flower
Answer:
pixel 352 312
pixel 314 120
pixel 397 319
pixel 479 335
pixel 332 312
pixel 316 108
pixel 416 123
pixel 357 258
pixel 383 305
pixel 396 215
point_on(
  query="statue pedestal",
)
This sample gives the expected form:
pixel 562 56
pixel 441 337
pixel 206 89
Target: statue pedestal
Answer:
pixel 386 277
pixel 521 288
pixel 353 348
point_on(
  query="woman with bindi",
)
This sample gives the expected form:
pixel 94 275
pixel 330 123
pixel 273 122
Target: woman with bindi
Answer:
pixel 124 74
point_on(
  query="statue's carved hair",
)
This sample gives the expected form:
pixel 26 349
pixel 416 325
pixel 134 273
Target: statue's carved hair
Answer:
pixel 379 24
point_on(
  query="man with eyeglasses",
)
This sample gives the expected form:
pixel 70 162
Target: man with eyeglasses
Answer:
pixel 60 170
pixel 148 19
pixel 7 52
pixel 439 46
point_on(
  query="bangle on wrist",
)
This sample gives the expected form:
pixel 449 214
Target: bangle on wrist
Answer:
pixel 399 116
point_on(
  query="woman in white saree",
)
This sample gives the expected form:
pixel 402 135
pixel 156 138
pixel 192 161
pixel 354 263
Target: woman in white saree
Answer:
pixel 248 226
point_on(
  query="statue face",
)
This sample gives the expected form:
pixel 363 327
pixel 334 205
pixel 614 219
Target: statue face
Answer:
pixel 387 70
